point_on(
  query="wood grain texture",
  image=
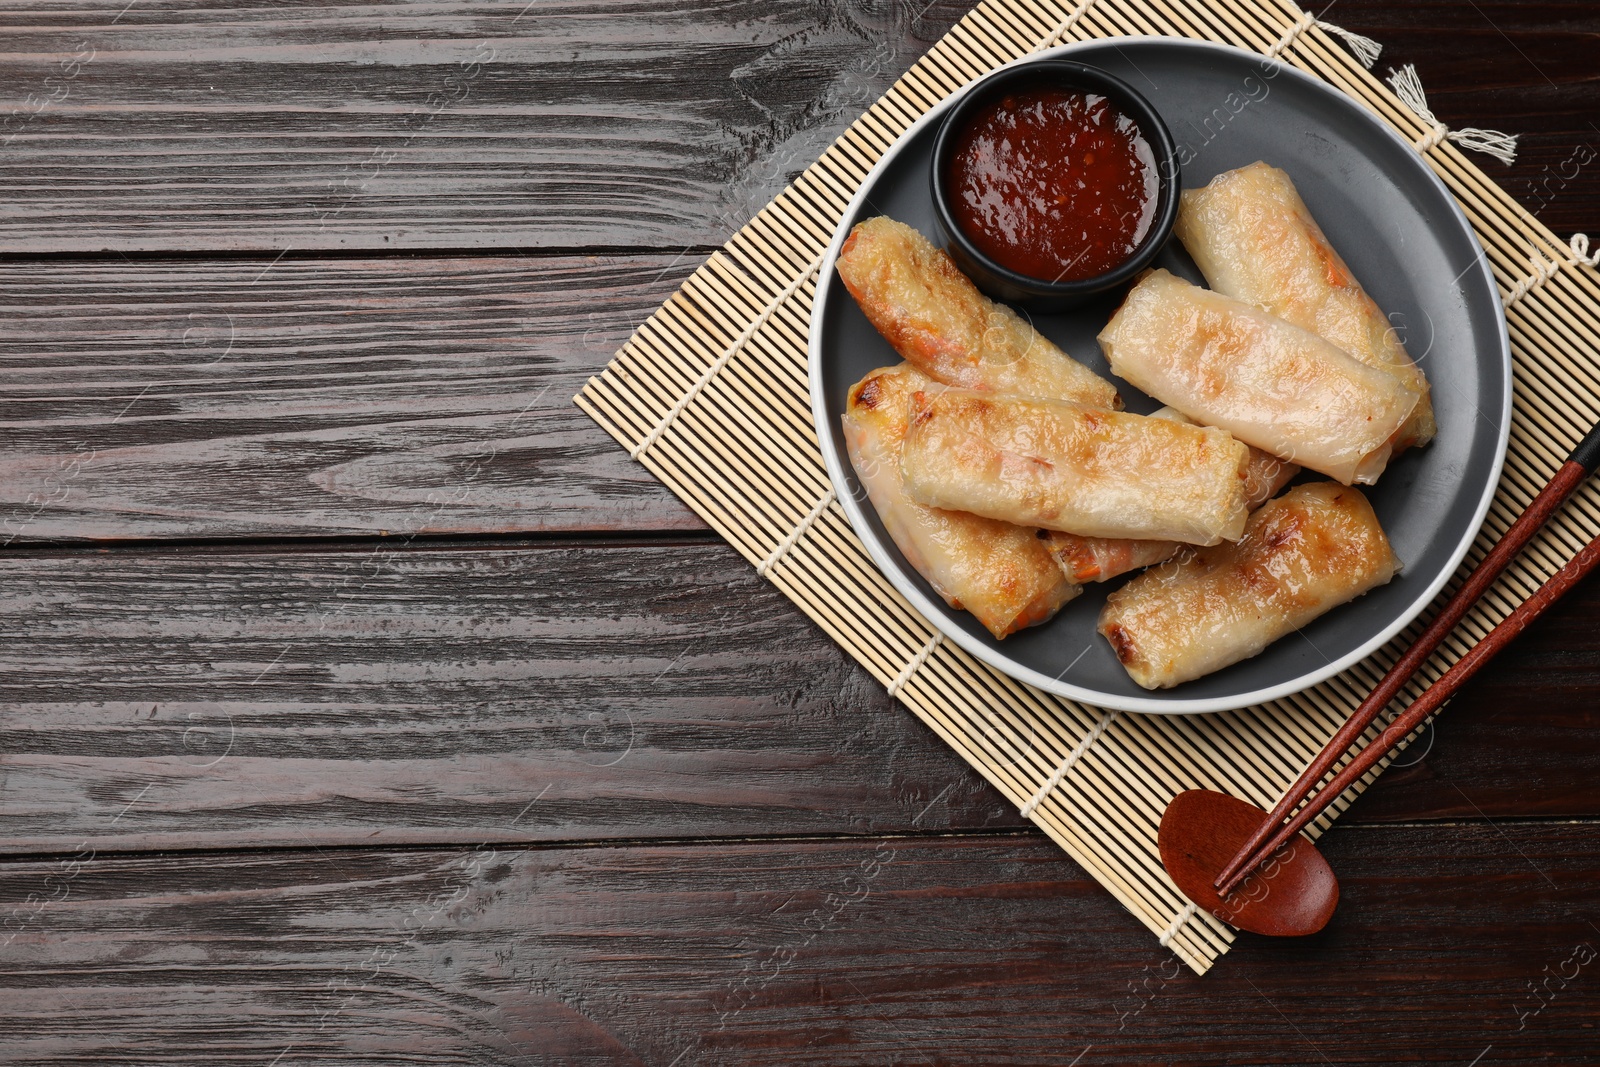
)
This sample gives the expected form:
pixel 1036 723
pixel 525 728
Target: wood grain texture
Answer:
pixel 1504 744
pixel 393 694
pixel 1520 66
pixel 1309 796
pixel 1452 943
pixel 213 398
pixel 557 702
pixel 595 123
pixel 229 699
pixel 405 396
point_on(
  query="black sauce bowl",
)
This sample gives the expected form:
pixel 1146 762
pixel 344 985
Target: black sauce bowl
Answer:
pixel 1038 294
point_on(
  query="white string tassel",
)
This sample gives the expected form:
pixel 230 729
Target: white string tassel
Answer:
pixel 1184 916
pixel 1066 765
pixel 1365 49
pixel 1580 251
pixel 1408 87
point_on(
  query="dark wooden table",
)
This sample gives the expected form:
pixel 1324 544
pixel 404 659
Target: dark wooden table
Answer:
pixel 363 703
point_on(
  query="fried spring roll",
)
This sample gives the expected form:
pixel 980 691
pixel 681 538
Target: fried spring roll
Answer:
pixel 1069 467
pixel 1001 573
pixel 1313 548
pixel 1254 239
pixel 1099 559
pixel 1272 385
pixel 935 318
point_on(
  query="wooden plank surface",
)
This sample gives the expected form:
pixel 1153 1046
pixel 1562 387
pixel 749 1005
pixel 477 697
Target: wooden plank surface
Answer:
pixel 319 397
pixel 378 695
pixel 1517 740
pixel 227 398
pixel 228 699
pixel 598 798
pixel 578 124
pixel 586 123
pixel 1466 944
pixel 1519 66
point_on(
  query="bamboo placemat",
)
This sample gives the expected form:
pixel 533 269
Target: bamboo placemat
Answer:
pixel 711 396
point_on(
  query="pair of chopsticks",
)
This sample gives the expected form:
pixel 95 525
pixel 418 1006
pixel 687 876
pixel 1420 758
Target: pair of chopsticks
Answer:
pixel 1274 832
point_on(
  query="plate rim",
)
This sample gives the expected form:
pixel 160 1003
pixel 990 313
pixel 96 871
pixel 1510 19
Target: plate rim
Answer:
pixel 931 613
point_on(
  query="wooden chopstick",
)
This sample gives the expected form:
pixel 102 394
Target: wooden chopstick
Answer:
pixel 1274 831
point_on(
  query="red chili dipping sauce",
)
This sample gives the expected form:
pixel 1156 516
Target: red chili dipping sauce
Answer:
pixel 1053 183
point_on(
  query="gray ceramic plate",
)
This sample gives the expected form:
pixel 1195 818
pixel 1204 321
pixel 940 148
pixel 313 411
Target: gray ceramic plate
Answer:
pixel 1404 237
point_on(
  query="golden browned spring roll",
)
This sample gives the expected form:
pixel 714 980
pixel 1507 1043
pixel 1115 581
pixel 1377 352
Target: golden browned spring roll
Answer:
pixel 1272 385
pixel 935 317
pixel 1001 573
pixel 1068 467
pixel 1099 559
pixel 1313 548
pixel 1254 239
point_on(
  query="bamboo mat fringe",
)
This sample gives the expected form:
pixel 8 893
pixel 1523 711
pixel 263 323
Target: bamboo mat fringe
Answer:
pixel 1408 87
pixel 1364 49
pixel 711 395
